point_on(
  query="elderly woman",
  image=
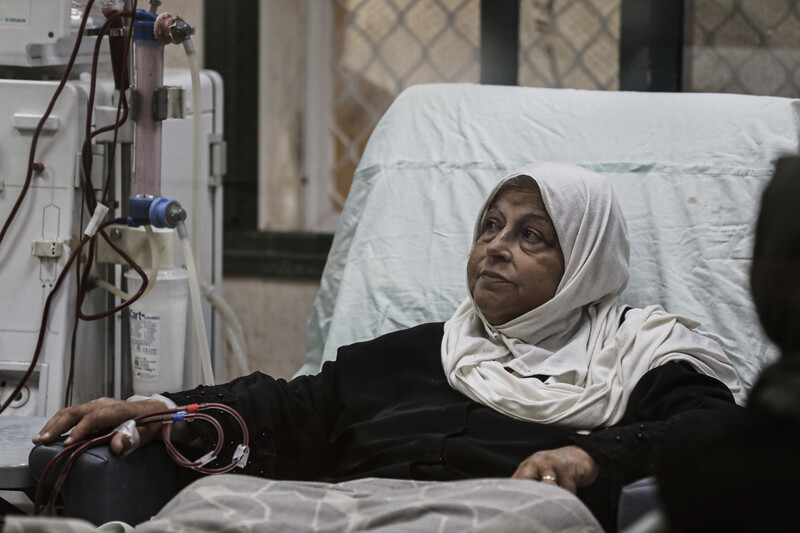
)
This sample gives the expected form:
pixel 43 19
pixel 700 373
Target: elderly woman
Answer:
pixel 541 373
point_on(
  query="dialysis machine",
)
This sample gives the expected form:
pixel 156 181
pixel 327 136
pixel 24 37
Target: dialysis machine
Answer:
pixel 158 170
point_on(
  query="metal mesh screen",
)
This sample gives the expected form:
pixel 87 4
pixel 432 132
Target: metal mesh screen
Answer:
pixel 743 46
pixel 569 44
pixel 383 46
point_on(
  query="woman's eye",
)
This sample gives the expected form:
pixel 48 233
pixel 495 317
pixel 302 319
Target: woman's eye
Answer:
pixel 490 225
pixel 531 236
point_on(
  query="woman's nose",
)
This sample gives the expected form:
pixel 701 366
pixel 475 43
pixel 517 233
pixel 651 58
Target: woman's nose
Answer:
pixel 500 245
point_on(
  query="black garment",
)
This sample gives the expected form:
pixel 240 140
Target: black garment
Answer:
pixel 743 472
pixel 384 408
pixel 776 258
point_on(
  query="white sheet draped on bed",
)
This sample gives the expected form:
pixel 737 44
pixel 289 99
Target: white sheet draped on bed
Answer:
pixel 688 170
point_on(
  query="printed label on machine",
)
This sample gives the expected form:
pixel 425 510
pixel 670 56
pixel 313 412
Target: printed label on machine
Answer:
pixel 145 332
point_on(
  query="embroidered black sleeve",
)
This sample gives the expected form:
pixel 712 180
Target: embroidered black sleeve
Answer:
pixel 666 396
pixel 261 461
pixel 625 454
pixel 288 423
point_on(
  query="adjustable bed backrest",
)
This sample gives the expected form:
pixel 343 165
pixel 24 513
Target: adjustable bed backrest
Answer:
pixel 688 170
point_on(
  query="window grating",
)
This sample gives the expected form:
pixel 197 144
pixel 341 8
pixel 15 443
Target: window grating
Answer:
pixel 743 46
pixel 569 44
pixel 383 46
pixel 380 48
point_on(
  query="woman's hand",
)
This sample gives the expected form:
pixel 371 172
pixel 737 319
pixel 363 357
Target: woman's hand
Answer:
pixel 99 415
pixel 569 467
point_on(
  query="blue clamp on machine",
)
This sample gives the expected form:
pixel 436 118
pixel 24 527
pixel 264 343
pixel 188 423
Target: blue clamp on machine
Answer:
pixel 143 24
pixel 158 212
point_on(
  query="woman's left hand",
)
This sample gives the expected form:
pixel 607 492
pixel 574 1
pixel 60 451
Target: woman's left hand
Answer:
pixel 569 467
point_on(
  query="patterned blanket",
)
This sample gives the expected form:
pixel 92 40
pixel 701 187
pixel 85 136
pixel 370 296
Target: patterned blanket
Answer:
pixel 235 503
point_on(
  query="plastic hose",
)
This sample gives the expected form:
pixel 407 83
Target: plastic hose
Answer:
pixel 233 328
pixel 197 139
pixel 201 340
pixel 234 332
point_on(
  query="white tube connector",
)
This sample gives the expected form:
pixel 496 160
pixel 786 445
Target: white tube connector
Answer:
pixel 100 212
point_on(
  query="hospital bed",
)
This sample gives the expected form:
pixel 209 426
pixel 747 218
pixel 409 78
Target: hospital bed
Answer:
pixel 688 170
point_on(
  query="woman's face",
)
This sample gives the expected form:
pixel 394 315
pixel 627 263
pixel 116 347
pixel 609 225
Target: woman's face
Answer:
pixel 516 263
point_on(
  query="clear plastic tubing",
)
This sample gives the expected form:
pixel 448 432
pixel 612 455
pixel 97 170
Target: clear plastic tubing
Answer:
pixel 201 339
pixel 232 325
pixel 233 328
pixel 197 142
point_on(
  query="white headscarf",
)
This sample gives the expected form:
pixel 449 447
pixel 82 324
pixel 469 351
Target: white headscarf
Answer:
pixel 590 360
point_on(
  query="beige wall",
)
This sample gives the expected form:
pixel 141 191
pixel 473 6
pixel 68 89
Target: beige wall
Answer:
pixel 273 313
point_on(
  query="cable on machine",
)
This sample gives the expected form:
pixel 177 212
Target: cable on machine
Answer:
pixel 89 199
pixel 32 165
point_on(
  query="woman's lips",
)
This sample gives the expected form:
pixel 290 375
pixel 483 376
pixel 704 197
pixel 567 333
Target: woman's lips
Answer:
pixel 493 276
